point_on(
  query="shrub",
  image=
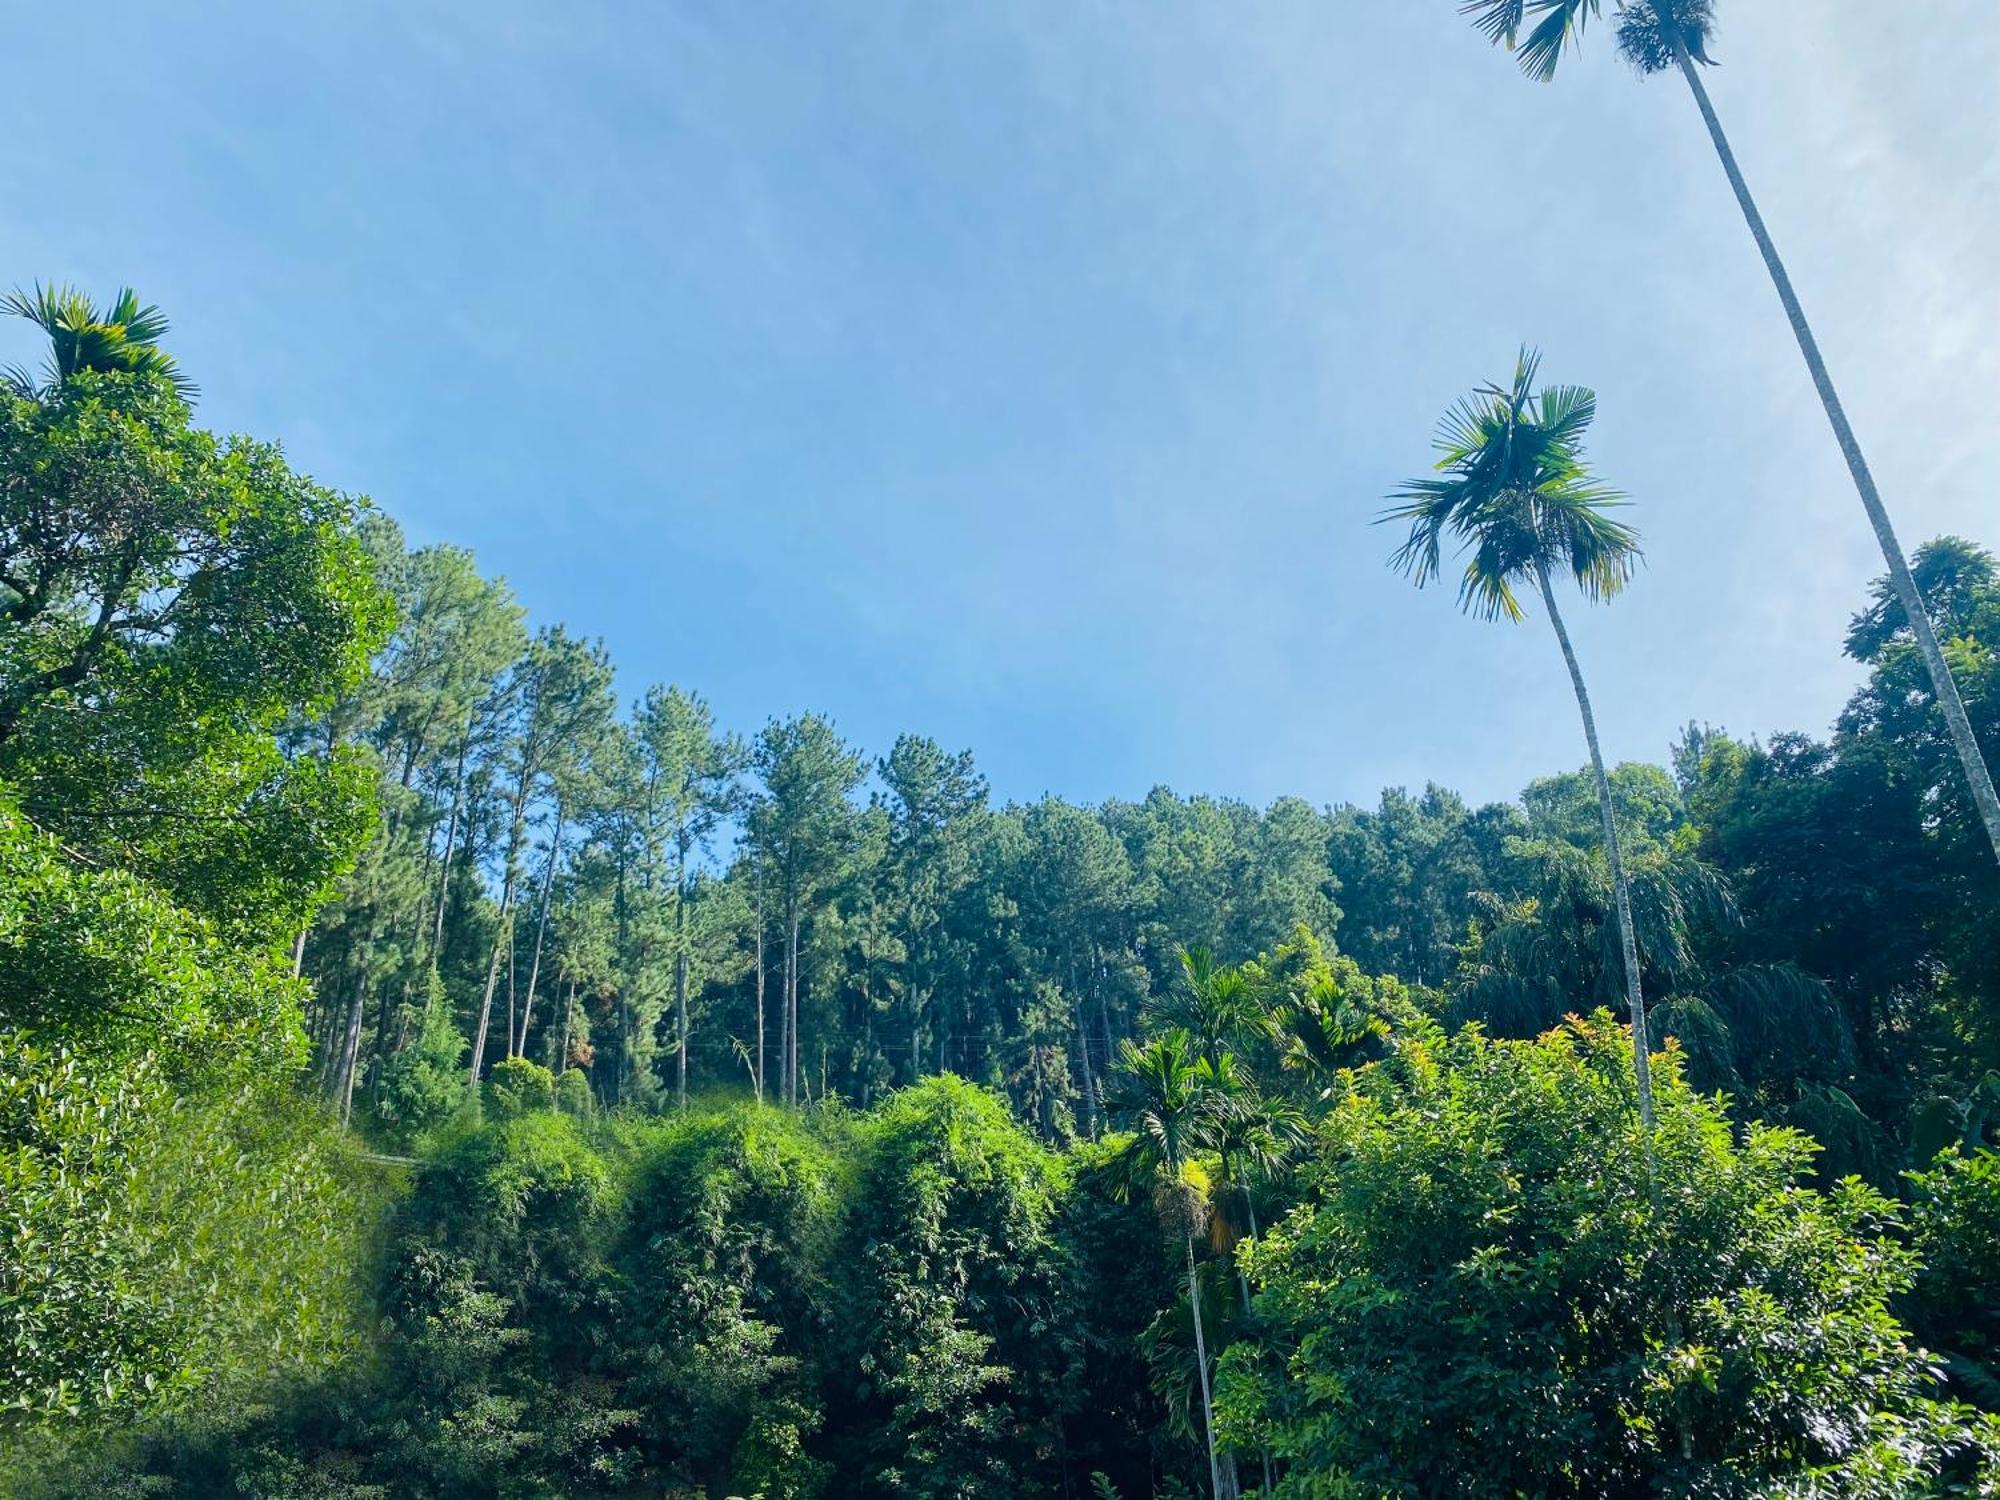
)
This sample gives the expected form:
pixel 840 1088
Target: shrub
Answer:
pixel 1483 1294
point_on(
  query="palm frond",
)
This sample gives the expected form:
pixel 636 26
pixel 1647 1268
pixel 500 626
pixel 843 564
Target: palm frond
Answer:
pixel 1560 27
pixel 1499 21
pixel 122 338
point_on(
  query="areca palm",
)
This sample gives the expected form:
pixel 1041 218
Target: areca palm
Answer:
pixel 1323 1026
pixel 1213 1003
pixel 1159 1093
pixel 1655 35
pixel 1511 486
pixel 122 337
pixel 1252 1137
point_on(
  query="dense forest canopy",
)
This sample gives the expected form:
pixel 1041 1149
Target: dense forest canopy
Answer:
pixel 431 1069
pixel 430 1072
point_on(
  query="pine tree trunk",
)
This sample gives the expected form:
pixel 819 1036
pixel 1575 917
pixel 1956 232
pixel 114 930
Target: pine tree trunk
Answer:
pixel 1621 893
pixel 351 1045
pixel 792 1009
pixel 541 930
pixel 451 835
pixel 681 977
pixel 760 988
pixel 503 938
pixel 1201 1366
pixel 1977 775
pixel 785 1013
pixel 486 1002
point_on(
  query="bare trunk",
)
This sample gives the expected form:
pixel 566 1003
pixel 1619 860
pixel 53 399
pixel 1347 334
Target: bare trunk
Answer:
pixel 792 1010
pixel 1201 1366
pixel 760 989
pixel 1977 775
pixel 541 931
pixel 486 1003
pixel 681 979
pixel 503 938
pixel 1621 894
pixel 350 1052
pixel 451 835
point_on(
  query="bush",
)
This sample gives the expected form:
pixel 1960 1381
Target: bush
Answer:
pixel 1955 1231
pixel 518 1087
pixel 173 1218
pixel 423 1084
pixel 1483 1296
pixel 154 1248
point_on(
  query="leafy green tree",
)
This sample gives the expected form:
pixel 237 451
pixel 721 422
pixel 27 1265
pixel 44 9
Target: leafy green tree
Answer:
pixel 1955 1302
pixel 174 1225
pixel 165 599
pixel 956 1300
pixel 1514 488
pixel 728 1260
pixel 695 770
pixel 1483 1294
pixel 1410 871
pixel 937 807
pixel 1654 35
pixel 808 834
pixel 560 703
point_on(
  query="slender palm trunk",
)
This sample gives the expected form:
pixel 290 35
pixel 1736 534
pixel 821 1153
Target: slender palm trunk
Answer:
pixel 1977 775
pixel 1201 1365
pixel 1621 893
pixel 1250 1208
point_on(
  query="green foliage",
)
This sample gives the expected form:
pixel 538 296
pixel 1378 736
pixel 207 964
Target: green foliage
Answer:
pixel 1955 1234
pixel 167 598
pixel 956 1304
pixel 99 961
pixel 518 1087
pixel 728 1256
pixel 159 1248
pixel 423 1085
pixel 1489 1290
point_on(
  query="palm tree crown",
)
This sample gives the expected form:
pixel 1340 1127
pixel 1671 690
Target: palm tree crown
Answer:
pixel 1644 29
pixel 124 337
pixel 1514 488
pixel 1214 1003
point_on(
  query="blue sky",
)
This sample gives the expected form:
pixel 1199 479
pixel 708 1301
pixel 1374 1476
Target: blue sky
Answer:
pixel 1026 374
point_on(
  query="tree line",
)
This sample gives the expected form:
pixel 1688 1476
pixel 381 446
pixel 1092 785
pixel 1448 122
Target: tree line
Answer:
pixel 425 1072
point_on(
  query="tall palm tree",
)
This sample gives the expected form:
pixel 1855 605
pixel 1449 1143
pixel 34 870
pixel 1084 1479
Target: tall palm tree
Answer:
pixel 1252 1137
pixel 1214 1003
pixel 1319 1028
pixel 1512 486
pixel 1655 35
pixel 1160 1095
pixel 122 337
